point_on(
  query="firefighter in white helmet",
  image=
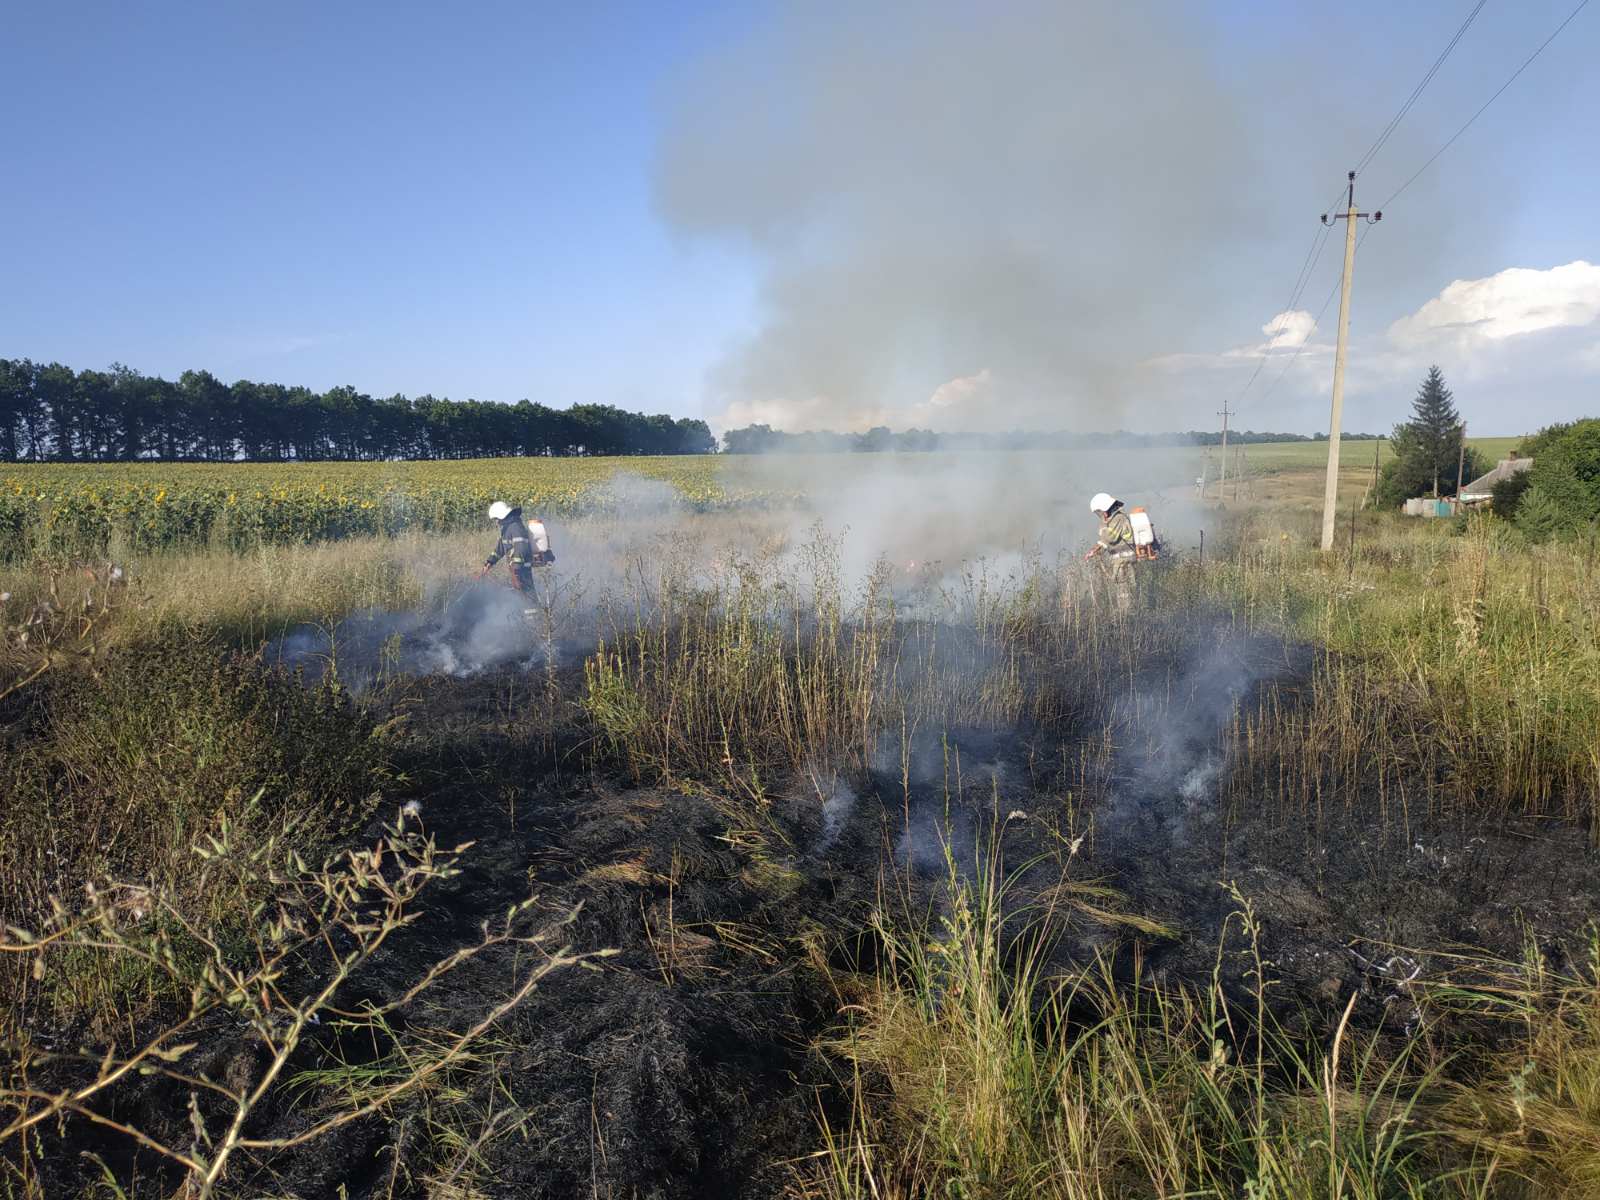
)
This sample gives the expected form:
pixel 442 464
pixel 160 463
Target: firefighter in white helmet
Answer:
pixel 523 541
pixel 1115 547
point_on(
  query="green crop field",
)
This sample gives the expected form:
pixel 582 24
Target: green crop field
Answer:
pixel 71 510
pixel 1279 456
pixel 66 510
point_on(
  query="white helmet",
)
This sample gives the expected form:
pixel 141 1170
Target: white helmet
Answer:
pixel 1101 503
pixel 499 510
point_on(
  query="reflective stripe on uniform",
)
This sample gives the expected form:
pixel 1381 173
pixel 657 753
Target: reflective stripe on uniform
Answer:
pixel 1118 531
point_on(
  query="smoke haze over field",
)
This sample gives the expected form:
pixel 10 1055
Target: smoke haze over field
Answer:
pixel 945 526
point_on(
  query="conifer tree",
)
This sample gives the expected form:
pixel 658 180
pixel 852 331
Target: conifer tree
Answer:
pixel 1427 448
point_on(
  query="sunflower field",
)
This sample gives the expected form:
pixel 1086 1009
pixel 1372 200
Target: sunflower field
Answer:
pixel 81 511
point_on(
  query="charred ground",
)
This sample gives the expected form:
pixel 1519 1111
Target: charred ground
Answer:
pixel 737 883
pixel 687 1065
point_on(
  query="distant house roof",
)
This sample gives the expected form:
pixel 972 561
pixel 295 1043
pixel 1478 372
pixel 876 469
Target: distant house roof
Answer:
pixel 1482 488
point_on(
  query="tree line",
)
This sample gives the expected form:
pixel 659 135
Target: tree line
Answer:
pixel 51 413
pixel 763 439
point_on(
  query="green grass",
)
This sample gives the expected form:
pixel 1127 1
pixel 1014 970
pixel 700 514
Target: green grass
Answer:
pixel 125 770
pixel 1478 651
pixel 1281 456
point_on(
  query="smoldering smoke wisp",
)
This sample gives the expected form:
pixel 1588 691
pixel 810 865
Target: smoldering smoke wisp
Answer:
pixel 1170 755
pixel 464 630
pixel 457 633
pixel 838 802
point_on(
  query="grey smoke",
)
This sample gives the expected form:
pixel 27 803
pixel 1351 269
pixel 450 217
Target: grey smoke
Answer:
pixel 458 633
pixel 934 841
pixel 838 802
pixel 635 497
pixel 940 521
pixel 1170 734
pixel 606 562
pixel 1196 786
pixel 987 216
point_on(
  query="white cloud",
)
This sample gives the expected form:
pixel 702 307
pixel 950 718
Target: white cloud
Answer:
pixel 1519 300
pixel 1520 347
pixel 1287 335
pixel 1288 330
pixel 960 392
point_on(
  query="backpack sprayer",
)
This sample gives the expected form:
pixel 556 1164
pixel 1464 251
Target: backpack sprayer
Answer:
pixel 1145 543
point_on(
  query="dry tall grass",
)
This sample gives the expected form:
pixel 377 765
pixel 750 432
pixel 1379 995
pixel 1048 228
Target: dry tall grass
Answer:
pixel 977 1068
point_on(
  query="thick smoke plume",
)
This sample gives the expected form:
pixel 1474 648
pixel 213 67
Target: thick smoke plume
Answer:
pixel 971 217
pixel 989 216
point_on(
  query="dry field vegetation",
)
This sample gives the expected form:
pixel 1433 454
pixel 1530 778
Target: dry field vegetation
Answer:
pixel 351 932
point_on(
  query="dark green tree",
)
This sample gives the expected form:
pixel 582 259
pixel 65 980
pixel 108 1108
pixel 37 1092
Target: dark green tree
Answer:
pixel 50 412
pixel 1508 494
pixel 1563 498
pixel 1540 515
pixel 208 424
pixel 694 437
pixel 130 404
pixel 1566 463
pixel 752 439
pixel 1427 448
pixel 875 440
pixel 1564 479
pixel 19 410
pixel 56 388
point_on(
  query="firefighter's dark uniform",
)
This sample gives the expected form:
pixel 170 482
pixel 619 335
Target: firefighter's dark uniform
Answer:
pixel 517 544
pixel 1118 551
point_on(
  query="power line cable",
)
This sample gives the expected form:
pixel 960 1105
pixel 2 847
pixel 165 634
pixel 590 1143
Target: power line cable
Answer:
pixel 1323 233
pixel 1319 240
pixel 1317 320
pixel 1416 92
pixel 1527 62
pixel 1308 266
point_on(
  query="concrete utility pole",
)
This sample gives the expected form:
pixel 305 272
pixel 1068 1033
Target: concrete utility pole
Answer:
pixel 1461 461
pixel 1222 484
pixel 1330 494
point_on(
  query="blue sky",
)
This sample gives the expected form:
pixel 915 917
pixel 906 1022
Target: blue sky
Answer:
pixel 802 214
